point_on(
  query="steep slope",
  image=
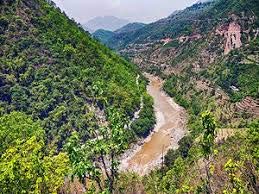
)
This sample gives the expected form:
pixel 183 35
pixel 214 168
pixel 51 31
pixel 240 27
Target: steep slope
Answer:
pixel 60 87
pixel 110 23
pixel 103 35
pixel 179 22
pixel 66 102
pixel 54 71
pixel 213 52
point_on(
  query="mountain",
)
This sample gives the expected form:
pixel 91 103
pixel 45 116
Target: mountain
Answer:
pixel 103 35
pixel 178 22
pixel 110 23
pixel 108 37
pixel 201 44
pixel 131 27
pixel 167 27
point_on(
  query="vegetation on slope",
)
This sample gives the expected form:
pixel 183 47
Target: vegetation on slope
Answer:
pixel 199 18
pixel 109 38
pixel 48 70
pixel 233 168
pixel 180 23
pixel 239 71
pixel 103 35
pixel 66 100
pixel 58 84
pixel 146 121
pixel 131 27
pixel 26 165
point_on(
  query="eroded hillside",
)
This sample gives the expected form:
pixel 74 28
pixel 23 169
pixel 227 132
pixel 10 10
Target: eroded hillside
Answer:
pixel 216 57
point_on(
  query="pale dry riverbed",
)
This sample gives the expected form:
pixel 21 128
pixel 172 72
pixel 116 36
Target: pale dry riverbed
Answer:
pixel 170 128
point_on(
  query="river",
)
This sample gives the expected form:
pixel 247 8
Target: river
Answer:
pixel 170 128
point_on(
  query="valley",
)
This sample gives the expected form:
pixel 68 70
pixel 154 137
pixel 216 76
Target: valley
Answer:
pixel 166 107
pixel 169 129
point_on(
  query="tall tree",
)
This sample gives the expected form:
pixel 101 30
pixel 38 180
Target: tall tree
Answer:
pixel 97 159
pixel 209 134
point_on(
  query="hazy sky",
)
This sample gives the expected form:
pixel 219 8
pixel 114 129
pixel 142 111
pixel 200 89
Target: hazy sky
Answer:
pixel 133 10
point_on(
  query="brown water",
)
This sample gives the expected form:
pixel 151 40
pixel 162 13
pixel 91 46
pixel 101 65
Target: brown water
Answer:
pixel 170 128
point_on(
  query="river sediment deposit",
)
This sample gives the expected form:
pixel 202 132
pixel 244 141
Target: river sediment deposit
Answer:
pixel 170 128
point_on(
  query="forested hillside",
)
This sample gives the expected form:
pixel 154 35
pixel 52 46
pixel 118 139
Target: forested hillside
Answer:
pixel 177 23
pixel 103 35
pixel 48 70
pixel 55 81
pixel 111 39
pixel 207 53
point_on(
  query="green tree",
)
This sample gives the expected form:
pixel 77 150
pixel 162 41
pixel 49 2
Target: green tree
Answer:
pixel 237 186
pixel 17 126
pixel 99 154
pixel 69 50
pixel 251 164
pixel 209 134
pixel 24 165
pixel 83 161
pixel 172 180
pixel 253 140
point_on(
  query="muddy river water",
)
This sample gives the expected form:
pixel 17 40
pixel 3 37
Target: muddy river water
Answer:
pixel 170 128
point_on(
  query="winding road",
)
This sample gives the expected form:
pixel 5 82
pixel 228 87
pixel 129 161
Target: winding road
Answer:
pixel 170 128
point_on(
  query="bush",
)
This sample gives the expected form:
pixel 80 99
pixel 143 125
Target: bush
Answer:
pixel 2 39
pixel 171 156
pixel 3 24
pixel 183 151
pixel 184 145
pixel 146 121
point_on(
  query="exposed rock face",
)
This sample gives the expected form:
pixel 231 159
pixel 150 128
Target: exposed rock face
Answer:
pixel 193 37
pixel 166 40
pixel 233 37
pixel 232 34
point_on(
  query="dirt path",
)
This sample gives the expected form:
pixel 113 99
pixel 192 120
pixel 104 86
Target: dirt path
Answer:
pixel 170 128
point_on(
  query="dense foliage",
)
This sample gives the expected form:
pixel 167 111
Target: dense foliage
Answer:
pixel 26 165
pixel 146 121
pixel 53 70
pixel 239 71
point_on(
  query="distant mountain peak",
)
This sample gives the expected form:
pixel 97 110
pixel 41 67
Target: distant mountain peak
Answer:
pixel 110 23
